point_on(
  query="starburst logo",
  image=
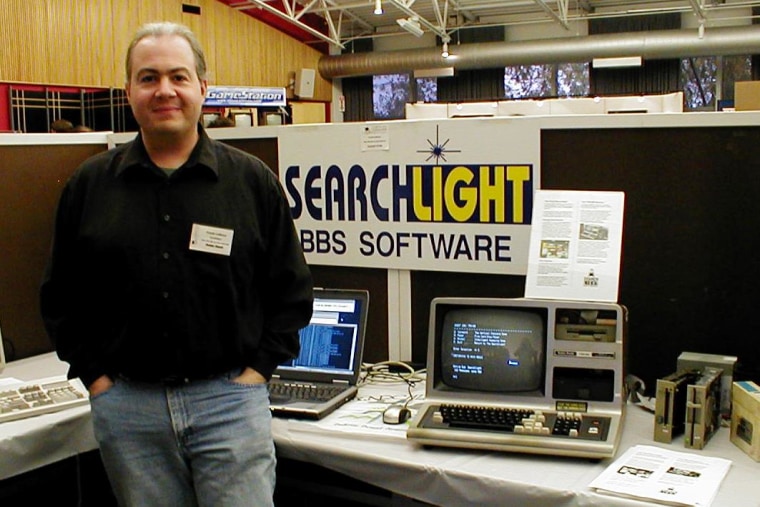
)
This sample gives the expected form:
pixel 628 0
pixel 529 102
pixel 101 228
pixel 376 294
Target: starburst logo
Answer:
pixel 438 149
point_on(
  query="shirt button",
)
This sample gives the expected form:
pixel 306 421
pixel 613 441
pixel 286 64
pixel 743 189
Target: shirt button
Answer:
pixel 167 217
pixel 165 255
pixel 165 295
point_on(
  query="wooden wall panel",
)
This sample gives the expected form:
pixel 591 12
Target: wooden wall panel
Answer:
pixel 60 42
pixel 101 66
pixel 24 43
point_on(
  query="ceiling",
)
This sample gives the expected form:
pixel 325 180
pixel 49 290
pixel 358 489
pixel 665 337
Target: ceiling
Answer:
pixel 325 23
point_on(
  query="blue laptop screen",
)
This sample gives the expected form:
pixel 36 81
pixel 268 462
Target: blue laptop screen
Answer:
pixel 330 342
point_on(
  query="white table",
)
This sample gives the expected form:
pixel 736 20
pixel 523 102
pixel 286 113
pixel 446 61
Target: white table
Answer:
pixel 456 477
pixel 450 477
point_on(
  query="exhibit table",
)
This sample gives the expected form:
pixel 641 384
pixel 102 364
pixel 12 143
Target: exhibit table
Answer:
pixel 380 455
pixel 469 478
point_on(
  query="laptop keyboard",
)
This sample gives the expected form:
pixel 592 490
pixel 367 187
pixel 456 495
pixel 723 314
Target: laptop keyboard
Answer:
pixel 298 391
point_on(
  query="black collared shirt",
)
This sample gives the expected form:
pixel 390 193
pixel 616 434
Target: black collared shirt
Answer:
pixel 124 292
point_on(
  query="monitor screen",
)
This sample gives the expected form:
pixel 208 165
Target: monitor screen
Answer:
pixel 330 341
pixel 492 349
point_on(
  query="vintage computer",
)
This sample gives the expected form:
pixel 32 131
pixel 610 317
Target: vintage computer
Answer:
pixel 525 375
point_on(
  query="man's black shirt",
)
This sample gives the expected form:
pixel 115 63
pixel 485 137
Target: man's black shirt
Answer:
pixel 124 292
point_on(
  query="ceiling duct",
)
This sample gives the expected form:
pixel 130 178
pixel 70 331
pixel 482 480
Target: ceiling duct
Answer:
pixel 648 45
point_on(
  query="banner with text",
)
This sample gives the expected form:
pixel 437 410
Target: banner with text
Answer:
pixel 244 96
pixel 442 195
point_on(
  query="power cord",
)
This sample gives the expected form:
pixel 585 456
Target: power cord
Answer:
pixel 387 372
pixel 634 393
pixel 391 372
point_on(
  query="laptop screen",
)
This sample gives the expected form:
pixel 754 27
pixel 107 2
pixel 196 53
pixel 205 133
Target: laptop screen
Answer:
pixel 332 342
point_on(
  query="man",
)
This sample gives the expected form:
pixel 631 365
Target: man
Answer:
pixel 175 287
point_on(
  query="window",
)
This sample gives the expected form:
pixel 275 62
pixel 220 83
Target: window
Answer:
pixel 427 89
pixel 547 80
pixel 573 80
pixel 735 68
pixel 700 77
pixel 390 93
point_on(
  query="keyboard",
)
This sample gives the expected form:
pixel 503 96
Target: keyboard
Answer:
pixel 520 420
pixel 538 430
pixel 310 392
pixel 29 399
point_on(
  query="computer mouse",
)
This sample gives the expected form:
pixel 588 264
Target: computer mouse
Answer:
pixel 396 414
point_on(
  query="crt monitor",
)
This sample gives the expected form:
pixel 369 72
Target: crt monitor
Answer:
pixel 493 349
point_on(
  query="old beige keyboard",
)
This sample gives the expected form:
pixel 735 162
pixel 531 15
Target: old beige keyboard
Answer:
pixel 28 399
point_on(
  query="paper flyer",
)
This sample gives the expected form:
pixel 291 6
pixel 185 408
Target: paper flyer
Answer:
pixel 575 245
pixel 664 476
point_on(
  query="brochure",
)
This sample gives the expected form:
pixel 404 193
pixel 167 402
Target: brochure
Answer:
pixel 575 245
pixel 660 475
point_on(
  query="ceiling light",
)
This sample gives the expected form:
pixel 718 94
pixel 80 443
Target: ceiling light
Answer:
pixel 378 7
pixel 621 61
pixel 445 52
pixel 439 72
pixel 411 25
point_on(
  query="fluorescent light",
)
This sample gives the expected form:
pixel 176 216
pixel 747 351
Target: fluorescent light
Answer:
pixel 621 61
pixel 378 7
pixel 445 52
pixel 442 72
pixel 411 25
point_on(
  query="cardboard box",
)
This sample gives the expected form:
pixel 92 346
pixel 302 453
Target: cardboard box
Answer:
pixel 747 95
pixel 745 418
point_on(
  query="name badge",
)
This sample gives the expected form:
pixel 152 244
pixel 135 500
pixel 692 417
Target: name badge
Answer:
pixel 215 240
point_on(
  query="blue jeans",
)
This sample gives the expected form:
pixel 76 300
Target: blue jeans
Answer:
pixel 206 443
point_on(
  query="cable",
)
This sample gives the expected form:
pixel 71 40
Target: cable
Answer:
pixel 634 392
pixel 382 372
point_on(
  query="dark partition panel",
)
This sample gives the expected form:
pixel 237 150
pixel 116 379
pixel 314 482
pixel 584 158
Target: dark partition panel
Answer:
pixel 690 272
pixel 264 148
pixel 32 178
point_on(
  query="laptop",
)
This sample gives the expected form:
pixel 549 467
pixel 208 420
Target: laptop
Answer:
pixel 325 374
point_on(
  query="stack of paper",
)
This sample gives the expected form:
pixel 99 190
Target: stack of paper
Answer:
pixel 664 476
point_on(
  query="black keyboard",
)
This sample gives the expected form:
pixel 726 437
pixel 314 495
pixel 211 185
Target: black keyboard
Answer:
pixel 512 420
pixel 503 419
pixel 285 390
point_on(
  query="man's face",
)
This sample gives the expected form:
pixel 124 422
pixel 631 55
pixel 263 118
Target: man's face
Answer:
pixel 164 90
